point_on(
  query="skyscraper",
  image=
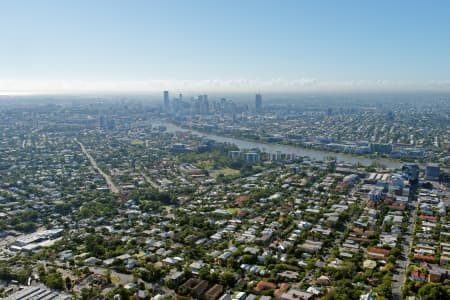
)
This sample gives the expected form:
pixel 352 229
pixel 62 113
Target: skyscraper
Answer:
pixel 258 103
pixel 205 105
pixel 411 171
pixel 166 101
pixel 432 172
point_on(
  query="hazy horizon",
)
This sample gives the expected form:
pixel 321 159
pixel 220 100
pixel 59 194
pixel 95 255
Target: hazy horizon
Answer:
pixel 58 87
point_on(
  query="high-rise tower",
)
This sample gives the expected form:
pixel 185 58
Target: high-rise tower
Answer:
pixel 258 103
pixel 166 101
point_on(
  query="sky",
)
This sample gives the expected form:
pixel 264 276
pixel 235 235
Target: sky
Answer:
pixel 64 46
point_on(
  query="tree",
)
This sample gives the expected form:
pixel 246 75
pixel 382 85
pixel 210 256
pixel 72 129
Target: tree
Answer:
pixel 204 273
pixel 389 267
pixel 41 272
pixel 227 278
pixel 108 276
pixel 395 252
pixel 23 275
pixel 385 289
pixel 249 259
pixel 68 283
pixel 87 293
pixel 214 277
pixel 54 280
pixel 433 291
pixel 94 244
pixel 5 272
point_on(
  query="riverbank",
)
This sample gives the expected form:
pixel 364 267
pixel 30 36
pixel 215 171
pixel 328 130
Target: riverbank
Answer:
pixel 300 151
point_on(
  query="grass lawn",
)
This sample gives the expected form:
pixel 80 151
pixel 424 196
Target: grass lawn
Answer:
pixel 137 142
pixel 233 211
pixel 224 171
pixel 205 164
pixel 115 279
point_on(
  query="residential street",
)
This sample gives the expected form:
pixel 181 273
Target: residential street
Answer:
pixel 108 179
pixel 402 263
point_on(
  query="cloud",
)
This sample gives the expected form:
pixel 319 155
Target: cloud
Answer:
pixel 439 83
pixel 208 85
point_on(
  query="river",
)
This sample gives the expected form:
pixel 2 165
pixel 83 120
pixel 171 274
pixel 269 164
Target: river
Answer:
pixel 272 148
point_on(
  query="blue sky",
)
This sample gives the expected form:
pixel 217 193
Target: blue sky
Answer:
pixel 242 45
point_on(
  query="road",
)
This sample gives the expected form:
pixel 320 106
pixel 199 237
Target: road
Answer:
pixel 112 187
pixel 398 279
pixel 150 181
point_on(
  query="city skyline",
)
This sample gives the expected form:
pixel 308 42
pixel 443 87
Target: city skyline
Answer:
pixel 112 46
pixel 224 150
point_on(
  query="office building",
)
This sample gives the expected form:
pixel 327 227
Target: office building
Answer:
pixel 381 148
pixel 432 172
pixel 166 101
pixel 375 195
pixel 258 103
pixel 251 157
pixel 204 105
pixel 235 154
pixel 411 171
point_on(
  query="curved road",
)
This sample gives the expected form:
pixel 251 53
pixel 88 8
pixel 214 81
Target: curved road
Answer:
pixel 112 187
